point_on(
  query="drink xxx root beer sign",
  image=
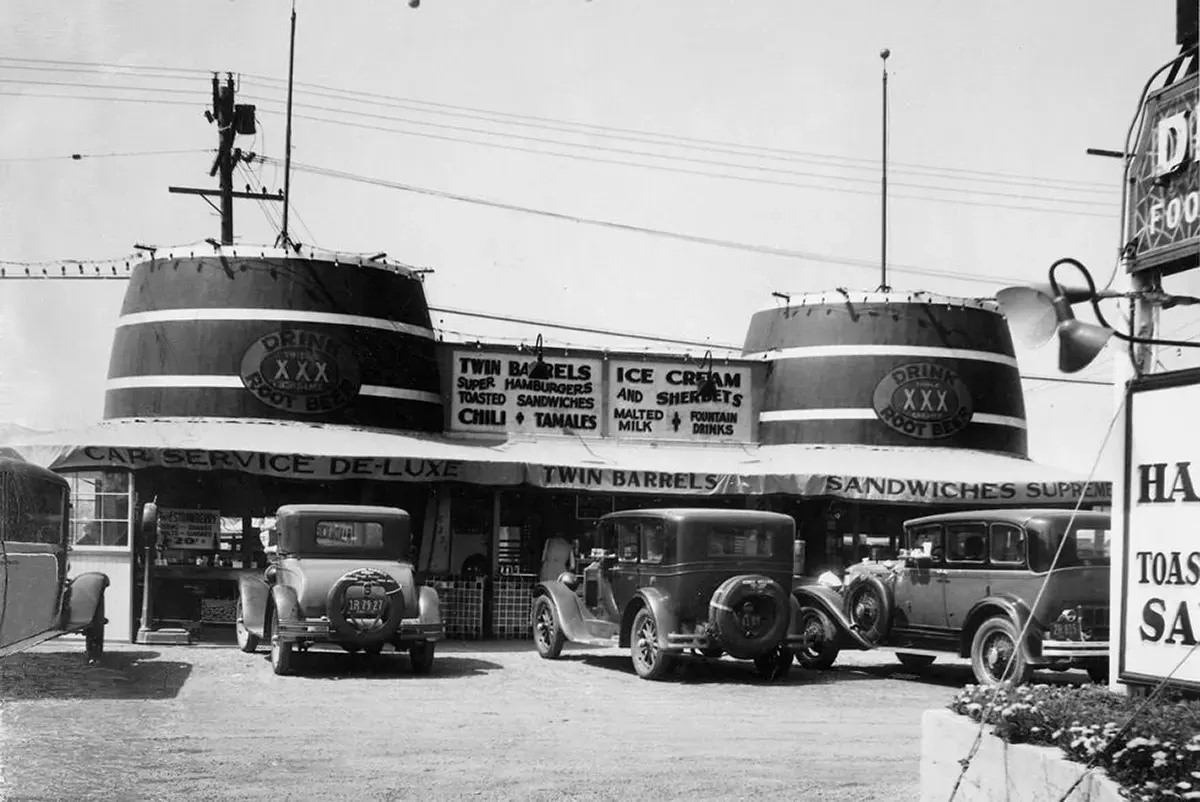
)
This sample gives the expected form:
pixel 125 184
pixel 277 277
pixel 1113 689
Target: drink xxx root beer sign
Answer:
pixel 652 397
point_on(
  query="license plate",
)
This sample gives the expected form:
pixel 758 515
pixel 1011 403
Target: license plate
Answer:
pixel 364 607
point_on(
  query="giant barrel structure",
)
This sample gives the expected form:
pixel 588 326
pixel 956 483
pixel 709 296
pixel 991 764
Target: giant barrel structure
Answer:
pixel 279 336
pixel 889 369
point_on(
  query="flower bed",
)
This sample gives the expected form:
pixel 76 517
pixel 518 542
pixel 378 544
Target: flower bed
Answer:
pixel 1157 757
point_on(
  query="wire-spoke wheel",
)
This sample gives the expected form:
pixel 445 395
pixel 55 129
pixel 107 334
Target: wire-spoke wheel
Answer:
pixel 548 636
pixel 819 649
pixel 995 655
pixel 649 661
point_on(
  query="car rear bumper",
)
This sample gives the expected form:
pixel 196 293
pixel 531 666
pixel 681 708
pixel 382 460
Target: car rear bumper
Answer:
pixel 682 641
pixel 410 630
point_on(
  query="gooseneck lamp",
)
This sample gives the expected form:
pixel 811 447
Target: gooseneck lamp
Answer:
pixel 708 388
pixel 540 369
pixel 1038 314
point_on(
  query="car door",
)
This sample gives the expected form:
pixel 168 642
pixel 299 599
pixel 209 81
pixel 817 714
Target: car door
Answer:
pixel 968 573
pixel 624 574
pixel 920 595
pixel 33 558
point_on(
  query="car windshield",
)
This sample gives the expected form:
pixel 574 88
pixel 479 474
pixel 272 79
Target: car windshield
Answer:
pixel 349 535
pixel 1087 543
pixel 34 510
pixel 728 540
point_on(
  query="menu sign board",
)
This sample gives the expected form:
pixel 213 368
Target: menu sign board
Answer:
pixel 661 400
pixel 1160 618
pixel 189 529
pixel 492 392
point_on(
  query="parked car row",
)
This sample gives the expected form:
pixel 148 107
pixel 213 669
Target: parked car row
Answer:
pixel 1013 590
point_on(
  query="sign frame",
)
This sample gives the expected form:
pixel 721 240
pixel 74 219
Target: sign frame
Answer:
pixel 1151 182
pixel 1134 388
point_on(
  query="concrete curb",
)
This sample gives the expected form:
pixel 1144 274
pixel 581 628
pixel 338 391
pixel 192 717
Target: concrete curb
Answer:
pixel 1000 771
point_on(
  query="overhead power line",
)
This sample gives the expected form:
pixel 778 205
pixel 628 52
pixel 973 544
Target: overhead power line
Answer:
pixel 535 140
pixel 640 135
pixel 742 246
pixel 570 127
pixel 83 156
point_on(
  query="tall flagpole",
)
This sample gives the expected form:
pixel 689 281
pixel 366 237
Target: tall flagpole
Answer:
pixel 883 286
pixel 287 146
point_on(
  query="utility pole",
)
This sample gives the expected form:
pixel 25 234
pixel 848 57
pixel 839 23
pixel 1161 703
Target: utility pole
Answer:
pixel 231 119
pixel 223 112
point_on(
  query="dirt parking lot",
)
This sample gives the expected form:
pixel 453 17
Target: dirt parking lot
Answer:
pixel 494 721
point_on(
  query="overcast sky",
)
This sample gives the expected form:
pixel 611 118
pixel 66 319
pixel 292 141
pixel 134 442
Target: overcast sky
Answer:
pixel 756 124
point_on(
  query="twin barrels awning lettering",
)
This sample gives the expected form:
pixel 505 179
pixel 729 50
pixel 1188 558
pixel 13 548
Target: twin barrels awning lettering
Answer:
pixel 730 474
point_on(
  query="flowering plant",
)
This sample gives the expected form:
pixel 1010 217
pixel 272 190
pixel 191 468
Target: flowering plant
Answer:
pixel 1156 757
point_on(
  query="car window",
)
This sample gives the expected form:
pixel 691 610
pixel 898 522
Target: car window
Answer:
pixel 966 543
pixel 739 541
pixel 1007 544
pixel 927 539
pixel 35 510
pixel 349 534
pixel 606 536
pixel 654 541
pixel 627 541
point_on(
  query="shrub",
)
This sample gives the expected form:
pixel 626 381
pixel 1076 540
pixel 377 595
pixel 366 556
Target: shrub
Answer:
pixel 1156 757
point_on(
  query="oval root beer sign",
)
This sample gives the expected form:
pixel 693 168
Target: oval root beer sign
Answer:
pixel 301 371
pixel 923 400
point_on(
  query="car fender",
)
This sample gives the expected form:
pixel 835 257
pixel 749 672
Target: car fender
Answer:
pixel 1000 604
pixel 429 606
pixel 254 593
pixel 83 596
pixel 666 620
pixel 568 609
pixel 830 602
pixel 284 600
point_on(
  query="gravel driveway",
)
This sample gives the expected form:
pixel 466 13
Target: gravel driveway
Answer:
pixel 493 721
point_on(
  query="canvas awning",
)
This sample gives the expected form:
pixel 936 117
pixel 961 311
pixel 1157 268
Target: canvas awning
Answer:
pixel 326 452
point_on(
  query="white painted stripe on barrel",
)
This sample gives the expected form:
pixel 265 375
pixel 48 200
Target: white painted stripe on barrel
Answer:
pixel 280 315
pixel 235 383
pixel 795 415
pixel 928 351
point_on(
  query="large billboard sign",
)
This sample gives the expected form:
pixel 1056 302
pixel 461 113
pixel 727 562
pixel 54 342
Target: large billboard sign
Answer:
pixel 1160 604
pixel 1165 191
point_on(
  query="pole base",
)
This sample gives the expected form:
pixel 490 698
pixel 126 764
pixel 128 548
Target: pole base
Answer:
pixel 172 636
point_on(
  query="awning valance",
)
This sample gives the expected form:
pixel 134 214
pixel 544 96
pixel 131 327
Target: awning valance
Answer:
pixel 324 452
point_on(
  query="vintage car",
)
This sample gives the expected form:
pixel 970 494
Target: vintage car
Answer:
pixel 1013 590
pixel 670 583
pixel 38 601
pixel 339 575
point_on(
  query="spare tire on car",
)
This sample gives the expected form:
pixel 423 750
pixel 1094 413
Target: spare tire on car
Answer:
pixel 869 607
pixel 365 627
pixel 749 615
